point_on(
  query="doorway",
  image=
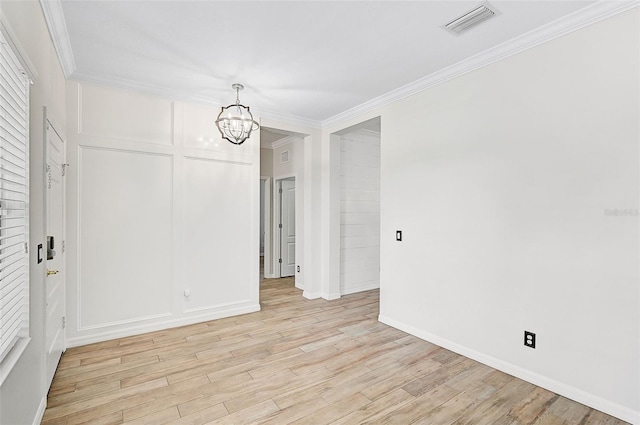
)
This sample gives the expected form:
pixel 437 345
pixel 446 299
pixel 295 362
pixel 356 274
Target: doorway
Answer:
pixel 286 226
pixel 265 231
pixel 54 249
pixel 283 155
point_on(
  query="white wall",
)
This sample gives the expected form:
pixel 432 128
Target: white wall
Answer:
pixel 23 393
pixel 295 165
pixel 262 215
pixel 158 204
pixel 501 180
pixel 266 162
pixel 359 211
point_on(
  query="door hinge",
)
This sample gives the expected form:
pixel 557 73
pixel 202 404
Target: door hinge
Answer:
pixel 280 191
pixel 280 226
pixel 280 260
pixel 64 169
pixel 63 246
pixel 64 322
pixel 26 247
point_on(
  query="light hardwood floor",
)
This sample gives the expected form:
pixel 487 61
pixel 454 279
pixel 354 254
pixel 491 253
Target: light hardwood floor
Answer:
pixel 296 361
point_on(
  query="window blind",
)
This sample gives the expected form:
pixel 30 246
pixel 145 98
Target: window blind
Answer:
pixel 14 197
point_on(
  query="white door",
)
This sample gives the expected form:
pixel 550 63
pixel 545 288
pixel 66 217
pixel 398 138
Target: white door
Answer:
pixel 54 250
pixel 287 227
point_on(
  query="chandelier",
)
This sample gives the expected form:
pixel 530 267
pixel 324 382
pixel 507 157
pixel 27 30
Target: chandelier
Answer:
pixel 235 122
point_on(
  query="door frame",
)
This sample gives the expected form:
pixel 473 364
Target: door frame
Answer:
pixel 268 267
pixel 48 120
pixel 275 230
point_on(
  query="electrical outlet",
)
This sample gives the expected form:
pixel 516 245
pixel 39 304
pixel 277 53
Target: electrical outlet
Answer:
pixel 529 339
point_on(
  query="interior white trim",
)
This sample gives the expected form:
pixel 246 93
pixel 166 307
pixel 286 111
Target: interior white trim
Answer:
pixel 283 142
pixel 53 14
pixel 360 288
pixel 311 295
pixel 40 413
pixel 228 311
pixel 565 390
pixel 214 307
pixel 123 83
pixel 12 358
pixel 289 119
pixel 329 296
pixel 81 328
pixel 596 12
pixel 10 35
pixel 280 142
pixel 126 84
pixel 268 266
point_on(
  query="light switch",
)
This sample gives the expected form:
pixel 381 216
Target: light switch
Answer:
pixel 398 235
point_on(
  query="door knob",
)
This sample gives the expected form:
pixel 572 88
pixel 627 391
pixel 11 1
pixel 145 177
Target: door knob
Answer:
pixel 50 272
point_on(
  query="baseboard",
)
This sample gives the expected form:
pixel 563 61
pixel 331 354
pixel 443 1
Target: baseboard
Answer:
pixel 326 296
pixel 311 295
pixel 40 413
pixel 361 288
pixel 588 399
pixel 157 326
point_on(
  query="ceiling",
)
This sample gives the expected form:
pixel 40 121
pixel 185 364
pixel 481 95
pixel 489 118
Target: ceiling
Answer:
pixel 304 60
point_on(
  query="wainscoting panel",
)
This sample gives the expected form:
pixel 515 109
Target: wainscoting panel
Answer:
pixel 125 217
pixel 216 233
pixel 124 115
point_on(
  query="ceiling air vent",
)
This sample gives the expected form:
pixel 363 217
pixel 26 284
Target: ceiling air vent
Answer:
pixel 470 19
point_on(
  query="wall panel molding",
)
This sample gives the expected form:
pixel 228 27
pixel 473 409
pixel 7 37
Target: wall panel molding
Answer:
pixel 103 202
pixel 119 323
pixel 152 122
pixel 176 321
pixel 167 196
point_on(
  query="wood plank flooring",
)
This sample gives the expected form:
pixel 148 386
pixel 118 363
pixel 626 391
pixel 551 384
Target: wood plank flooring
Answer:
pixel 297 361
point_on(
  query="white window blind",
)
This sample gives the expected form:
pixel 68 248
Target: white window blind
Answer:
pixel 14 200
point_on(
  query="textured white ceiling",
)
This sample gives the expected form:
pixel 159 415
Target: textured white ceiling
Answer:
pixel 310 60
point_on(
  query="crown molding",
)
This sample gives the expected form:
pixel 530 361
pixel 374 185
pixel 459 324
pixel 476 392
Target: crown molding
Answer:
pixel 596 12
pixel 290 119
pixel 281 142
pixel 54 16
pixel 137 86
pixel 126 84
pixel 12 39
pixel 284 142
pixel 368 132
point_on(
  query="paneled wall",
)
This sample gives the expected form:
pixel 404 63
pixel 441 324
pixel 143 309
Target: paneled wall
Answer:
pixel 359 211
pixel 163 215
